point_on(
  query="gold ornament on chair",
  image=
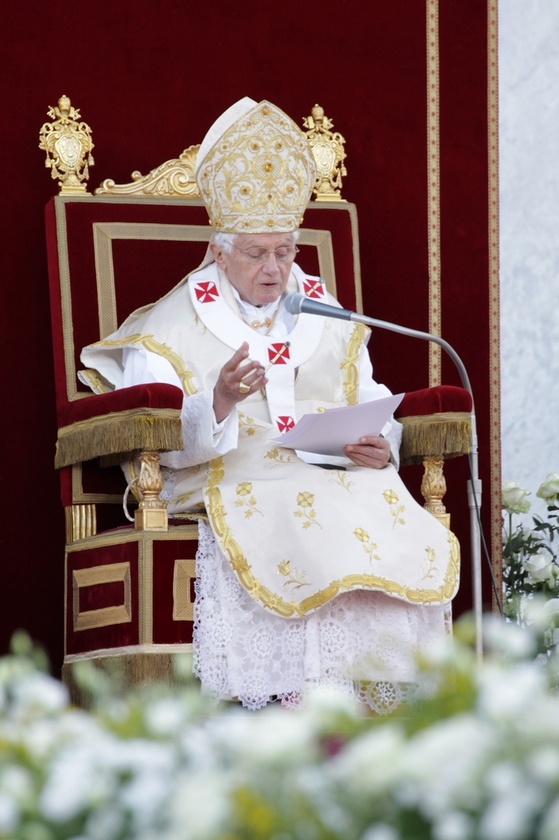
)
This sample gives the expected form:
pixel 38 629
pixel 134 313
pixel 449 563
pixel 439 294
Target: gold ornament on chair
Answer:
pixel 68 144
pixel 172 179
pixel 328 149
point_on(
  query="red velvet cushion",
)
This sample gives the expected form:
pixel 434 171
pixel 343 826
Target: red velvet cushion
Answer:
pixel 439 398
pixel 155 395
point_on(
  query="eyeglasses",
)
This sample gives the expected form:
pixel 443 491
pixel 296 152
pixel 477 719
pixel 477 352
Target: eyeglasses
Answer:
pixel 283 254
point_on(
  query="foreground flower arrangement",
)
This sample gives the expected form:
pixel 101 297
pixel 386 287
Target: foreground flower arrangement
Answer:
pixel 478 758
pixel 530 559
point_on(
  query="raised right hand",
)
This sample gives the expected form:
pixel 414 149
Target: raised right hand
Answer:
pixel 234 373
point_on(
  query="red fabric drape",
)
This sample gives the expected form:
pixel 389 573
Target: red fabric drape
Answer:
pixel 149 78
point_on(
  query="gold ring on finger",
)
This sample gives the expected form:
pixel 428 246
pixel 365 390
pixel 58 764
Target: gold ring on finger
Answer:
pixel 244 388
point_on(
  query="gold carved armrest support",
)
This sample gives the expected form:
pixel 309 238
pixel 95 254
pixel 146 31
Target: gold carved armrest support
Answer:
pixel 429 440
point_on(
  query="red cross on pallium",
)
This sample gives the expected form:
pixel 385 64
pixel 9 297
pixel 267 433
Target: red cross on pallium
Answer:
pixel 278 354
pixel 313 288
pixel 206 292
pixel 285 423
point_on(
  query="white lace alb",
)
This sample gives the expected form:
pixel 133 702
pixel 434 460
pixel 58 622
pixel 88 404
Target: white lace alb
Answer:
pixel 364 643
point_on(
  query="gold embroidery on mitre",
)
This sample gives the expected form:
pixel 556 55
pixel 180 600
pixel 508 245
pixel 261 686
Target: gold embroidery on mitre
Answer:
pixel 259 175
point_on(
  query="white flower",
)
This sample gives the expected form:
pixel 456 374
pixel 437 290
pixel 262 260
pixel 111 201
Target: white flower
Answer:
pixel 550 823
pixel 272 738
pixel 9 815
pixel 16 796
pixel 81 775
pixel 200 806
pixel 453 825
pixel 512 813
pixel 537 613
pixel 165 716
pixel 515 498
pixel 371 764
pixel 543 765
pixel 540 567
pixel 509 639
pixel 443 765
pixel 508 694
pixel 380 831
pixel 552 607
pixel 39 693
pixel 549 489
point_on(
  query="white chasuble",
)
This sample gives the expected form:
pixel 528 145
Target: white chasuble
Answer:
pixel 295 534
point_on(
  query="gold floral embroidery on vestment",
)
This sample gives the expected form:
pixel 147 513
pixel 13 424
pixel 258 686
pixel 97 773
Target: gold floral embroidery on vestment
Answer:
pixel 431 570
pixel 342 478
pixel 182 499
pixel 246 499
pixel 247 424
pixel 287 608
pixel 282 456
pixel 369 547
pixel 305 502
pixel 396 510
pixel 294 579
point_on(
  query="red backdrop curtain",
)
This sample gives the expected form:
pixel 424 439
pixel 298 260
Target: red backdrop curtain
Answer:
pixel 411 86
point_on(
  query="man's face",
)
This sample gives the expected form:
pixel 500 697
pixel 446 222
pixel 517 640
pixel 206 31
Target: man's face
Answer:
pixel 256 282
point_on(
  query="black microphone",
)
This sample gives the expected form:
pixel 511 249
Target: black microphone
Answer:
pixel 296 303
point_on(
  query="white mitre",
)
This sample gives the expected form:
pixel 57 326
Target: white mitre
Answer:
pixel 255 170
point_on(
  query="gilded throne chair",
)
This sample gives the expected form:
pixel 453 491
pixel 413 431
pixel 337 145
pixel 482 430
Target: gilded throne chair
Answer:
pixel 129 585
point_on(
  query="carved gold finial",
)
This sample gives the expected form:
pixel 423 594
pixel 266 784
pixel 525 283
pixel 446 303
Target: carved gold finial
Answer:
pixel 152 512
pixel 328 150
pixel 68 144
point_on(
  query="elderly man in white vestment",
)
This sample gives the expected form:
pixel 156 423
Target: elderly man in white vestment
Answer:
pixel 306 575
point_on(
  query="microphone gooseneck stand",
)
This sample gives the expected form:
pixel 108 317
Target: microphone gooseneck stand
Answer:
pixel 297 303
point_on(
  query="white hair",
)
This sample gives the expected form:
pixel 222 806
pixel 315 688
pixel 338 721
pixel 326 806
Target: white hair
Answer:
pixel 226 241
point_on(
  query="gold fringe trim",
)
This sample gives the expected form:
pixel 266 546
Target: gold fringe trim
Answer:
pixel 446 434
pixel 128 670
pixel 119 435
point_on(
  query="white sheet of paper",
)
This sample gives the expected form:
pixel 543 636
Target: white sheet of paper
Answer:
pixel 327 432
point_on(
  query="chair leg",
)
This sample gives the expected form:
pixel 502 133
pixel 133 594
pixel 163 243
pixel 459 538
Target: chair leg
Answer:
pixel 152 511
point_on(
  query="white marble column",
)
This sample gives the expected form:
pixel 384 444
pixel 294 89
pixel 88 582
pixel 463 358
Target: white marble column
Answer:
pixel 529 220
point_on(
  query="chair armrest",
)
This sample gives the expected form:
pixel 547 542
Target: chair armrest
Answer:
pixel 437 423
pixel 118 423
